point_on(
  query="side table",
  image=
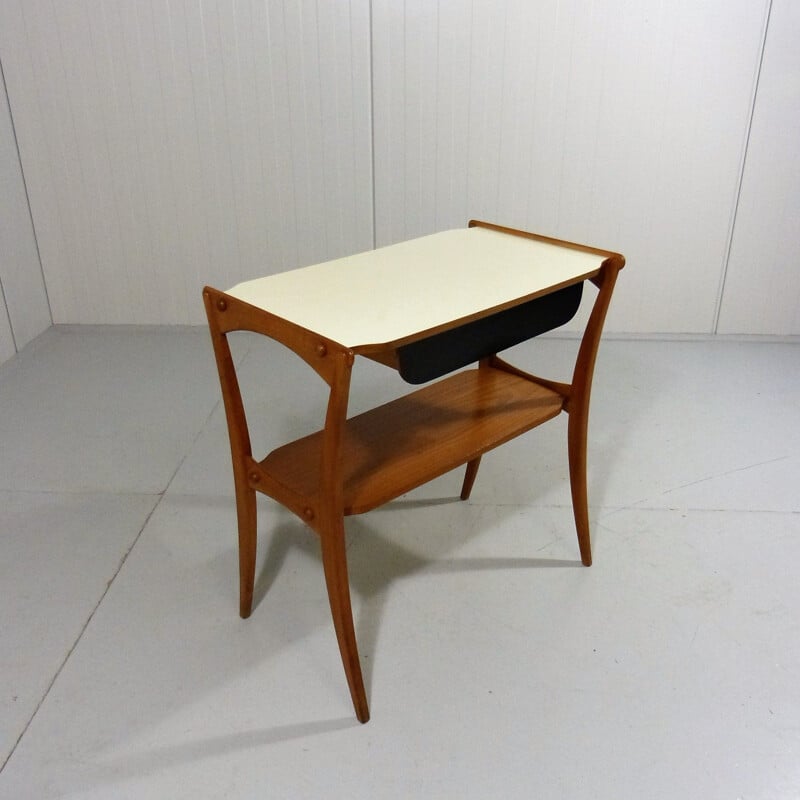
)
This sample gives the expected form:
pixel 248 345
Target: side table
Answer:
pixel 426 307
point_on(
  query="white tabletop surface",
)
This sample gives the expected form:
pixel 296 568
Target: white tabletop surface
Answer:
pixel 390 294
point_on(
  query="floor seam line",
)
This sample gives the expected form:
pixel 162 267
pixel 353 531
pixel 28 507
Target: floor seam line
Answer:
pixel 190 448
pixel 83 492
pixel 200 430
pixel 85 625
pixel 122 562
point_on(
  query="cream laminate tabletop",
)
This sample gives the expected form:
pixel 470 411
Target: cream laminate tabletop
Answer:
pixel 392 294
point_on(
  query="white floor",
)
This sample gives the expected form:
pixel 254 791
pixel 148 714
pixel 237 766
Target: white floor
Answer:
pixel 497 666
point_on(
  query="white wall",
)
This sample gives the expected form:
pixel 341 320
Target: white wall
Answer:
pixel 24 312
pixel 762 288
pixel 168 143
pixel 621 124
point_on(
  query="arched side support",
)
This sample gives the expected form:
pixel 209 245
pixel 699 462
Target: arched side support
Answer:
pixel 226 314
pixel 324 512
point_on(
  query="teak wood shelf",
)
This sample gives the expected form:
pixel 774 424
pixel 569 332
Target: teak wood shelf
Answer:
pixel 401 445
pixel 425 307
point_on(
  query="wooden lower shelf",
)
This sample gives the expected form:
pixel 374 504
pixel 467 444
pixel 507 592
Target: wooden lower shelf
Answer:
pixel 401 445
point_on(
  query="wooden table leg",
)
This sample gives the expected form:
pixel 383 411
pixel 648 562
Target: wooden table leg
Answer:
pixel 576 447
pixel 334 561
pixel 578 403
pixel 469 477
pixel 247 518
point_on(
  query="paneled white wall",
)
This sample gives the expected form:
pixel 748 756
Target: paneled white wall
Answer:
pixel 172 143
pixel 762 288
pixel 24 312
pixel 620 123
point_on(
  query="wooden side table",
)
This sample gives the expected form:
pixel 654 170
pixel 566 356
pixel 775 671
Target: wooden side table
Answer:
pixel 424 307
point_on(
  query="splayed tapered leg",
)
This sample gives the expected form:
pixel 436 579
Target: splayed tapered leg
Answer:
pixel 469 477
pixel 246 513
pixel 577 478
pixel 334 561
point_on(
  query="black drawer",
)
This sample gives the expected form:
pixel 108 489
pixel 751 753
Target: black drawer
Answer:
pixel 441 353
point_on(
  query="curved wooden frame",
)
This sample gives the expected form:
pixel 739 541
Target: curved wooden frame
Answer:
pixel 353 465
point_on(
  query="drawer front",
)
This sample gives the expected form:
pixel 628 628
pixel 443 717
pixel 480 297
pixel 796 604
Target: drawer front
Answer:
pixel 444 352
